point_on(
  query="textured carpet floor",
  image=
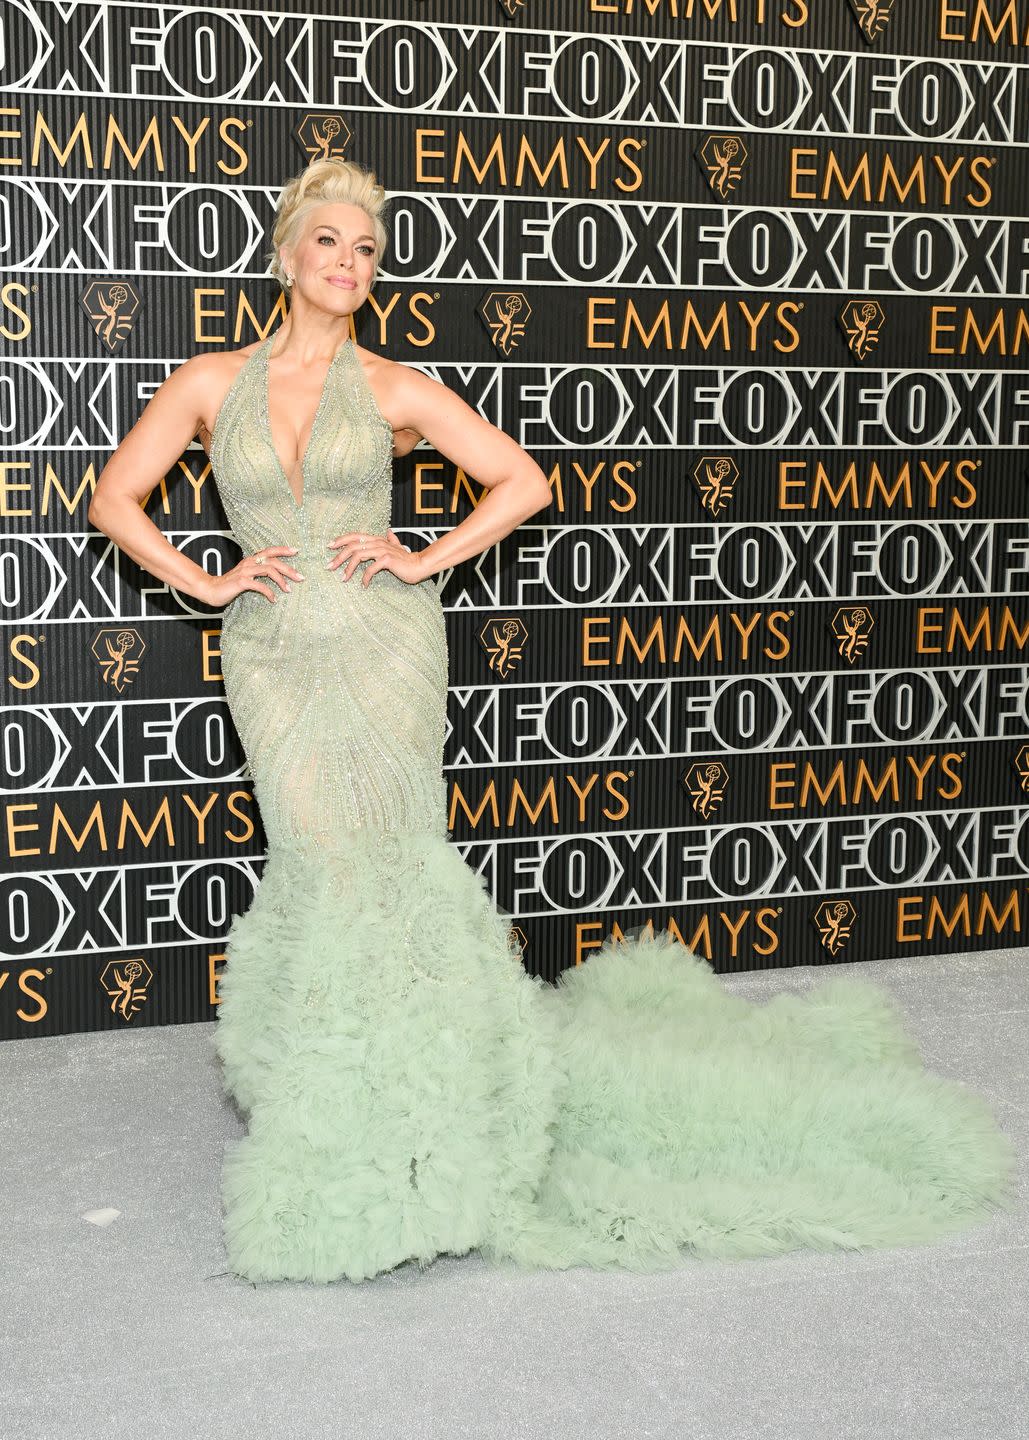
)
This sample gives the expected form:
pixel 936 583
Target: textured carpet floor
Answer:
pixel 134 1328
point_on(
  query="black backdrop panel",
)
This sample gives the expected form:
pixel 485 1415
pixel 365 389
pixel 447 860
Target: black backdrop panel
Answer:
pixel 760 674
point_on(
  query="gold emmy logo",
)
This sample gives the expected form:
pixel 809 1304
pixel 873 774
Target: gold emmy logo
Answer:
pixel 862 321
pixel 834 920
pixel 112 307
pixel 873 16
pixel 517 940
pixel 714 477
pixel 118 653
pixel 851 627
pixel 723 157
pixel 126 981
pixel 503 641
pixel 500 312
pixel 1022 766
pixel 512 7
pixel 321 136
pixel 706 782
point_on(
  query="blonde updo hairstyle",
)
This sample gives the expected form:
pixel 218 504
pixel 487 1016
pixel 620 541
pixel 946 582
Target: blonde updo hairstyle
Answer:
pixel 332 181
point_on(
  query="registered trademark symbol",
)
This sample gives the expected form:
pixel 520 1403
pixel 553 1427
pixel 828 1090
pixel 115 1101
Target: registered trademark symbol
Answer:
pixel 49 970
pixel 34 288
pixel 800 305
pixel 435 294
pixel 790 614
pixel 250 122
pixel 962 753
pixel 631 774
pixel 778 909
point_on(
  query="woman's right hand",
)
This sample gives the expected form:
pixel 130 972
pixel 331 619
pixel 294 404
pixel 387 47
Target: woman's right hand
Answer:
pixel 246 575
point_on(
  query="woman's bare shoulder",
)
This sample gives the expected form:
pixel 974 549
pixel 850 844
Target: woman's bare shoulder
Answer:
pixel 390 373
pixel 212 367
pixel 390 382
pixel 214 372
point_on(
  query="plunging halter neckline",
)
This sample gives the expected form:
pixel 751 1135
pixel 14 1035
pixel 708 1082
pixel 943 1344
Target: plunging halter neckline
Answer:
pixel 264 350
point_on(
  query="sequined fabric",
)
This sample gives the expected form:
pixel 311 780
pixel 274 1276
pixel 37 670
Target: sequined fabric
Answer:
pixel 337 690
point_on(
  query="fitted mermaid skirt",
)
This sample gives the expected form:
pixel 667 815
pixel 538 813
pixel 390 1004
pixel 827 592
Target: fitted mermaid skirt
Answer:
pixel 409 1089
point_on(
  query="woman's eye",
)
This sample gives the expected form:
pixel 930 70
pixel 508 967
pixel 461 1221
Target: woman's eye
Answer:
pixel 365 249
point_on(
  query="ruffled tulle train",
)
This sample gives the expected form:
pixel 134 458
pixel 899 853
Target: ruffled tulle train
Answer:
pixel 411 1090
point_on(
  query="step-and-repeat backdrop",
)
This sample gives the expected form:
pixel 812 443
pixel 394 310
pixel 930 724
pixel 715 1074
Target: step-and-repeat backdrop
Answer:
pixel 746 277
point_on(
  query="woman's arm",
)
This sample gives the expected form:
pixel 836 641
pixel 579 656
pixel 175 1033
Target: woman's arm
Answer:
pixel 172 417
pixel 517 486
pixel 404 441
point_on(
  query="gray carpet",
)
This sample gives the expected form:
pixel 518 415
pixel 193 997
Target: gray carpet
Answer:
pixel 133 1329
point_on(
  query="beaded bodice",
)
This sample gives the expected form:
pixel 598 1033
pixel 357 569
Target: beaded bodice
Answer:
pixel 337 689
pixel 347 467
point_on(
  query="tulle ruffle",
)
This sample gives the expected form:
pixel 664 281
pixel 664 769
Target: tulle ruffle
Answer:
pixel 411 1090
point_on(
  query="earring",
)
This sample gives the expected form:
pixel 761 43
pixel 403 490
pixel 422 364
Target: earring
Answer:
pixel 289 279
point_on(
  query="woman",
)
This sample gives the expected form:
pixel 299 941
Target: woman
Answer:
pixel 410 1089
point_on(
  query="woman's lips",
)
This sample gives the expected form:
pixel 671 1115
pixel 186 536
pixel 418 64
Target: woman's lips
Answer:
pixel 342 284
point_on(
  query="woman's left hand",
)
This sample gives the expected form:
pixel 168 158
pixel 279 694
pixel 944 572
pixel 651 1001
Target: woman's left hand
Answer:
pixel 384 552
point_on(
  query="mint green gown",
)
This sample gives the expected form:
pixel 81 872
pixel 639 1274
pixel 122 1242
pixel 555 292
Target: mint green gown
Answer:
pixel 409 1089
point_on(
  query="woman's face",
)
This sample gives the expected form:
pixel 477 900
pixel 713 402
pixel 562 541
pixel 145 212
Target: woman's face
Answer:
pixel 334 260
